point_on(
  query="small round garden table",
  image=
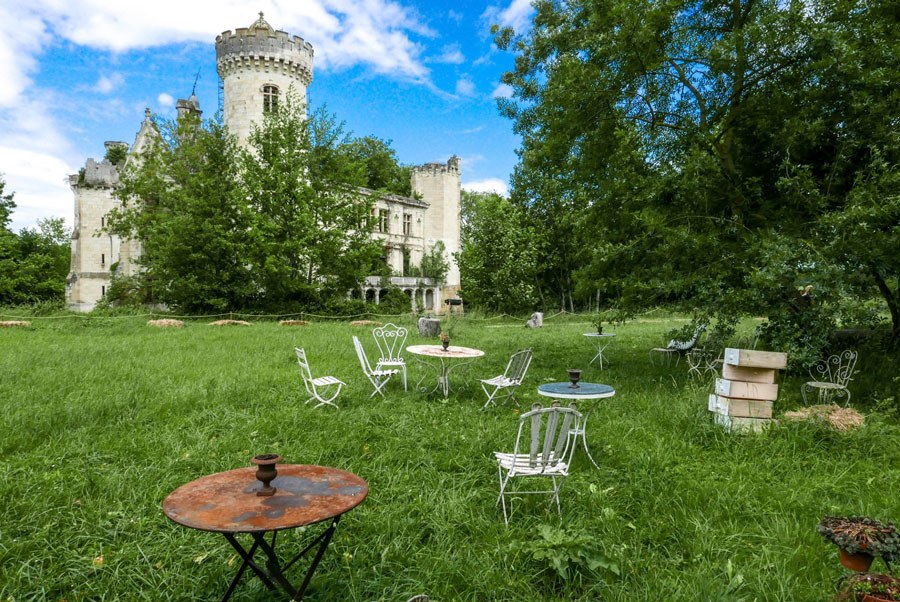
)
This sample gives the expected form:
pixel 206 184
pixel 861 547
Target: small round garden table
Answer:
pixel 584 391
pixel 602 341
pixel 228 503
pixel 466 354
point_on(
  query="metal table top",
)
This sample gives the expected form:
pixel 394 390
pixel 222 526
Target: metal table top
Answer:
pixel 227 502
pixel 597 334
pixel 584 391
pixel 438 351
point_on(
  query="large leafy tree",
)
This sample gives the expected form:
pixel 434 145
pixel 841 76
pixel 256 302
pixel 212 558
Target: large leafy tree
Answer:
pixel 499 256
pixel 34 263
pixel 701 152
pixel 382 170
pixel 310 221
pixel 182 200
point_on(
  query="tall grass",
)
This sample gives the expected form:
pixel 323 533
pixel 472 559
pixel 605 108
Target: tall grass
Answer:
pixel 101 419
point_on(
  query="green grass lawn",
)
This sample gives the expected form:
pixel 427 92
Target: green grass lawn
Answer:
pixel 101 419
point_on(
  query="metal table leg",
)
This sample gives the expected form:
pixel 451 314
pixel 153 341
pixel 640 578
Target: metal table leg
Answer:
pixel 274 570
pixel 582 431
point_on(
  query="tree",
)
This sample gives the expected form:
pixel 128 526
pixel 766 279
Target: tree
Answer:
pixel 383 171
pixel 181 198
pixel 701 152
pixel 499 256
pixel 34 263
pixel 435 264
pixel 310 220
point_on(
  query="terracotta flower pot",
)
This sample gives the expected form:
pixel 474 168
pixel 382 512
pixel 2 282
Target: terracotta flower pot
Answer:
pixel 856 562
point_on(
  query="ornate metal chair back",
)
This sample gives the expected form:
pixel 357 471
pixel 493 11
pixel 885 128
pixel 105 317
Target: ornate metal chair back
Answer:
pixel 549 442
pixel 390 340
pixel 518 365
pixel 688 345
pixel 837 369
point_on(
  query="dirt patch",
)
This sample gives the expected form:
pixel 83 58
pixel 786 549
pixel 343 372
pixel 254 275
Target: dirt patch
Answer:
pixel 840 419
pixel 14 323
pixel 365 323
pixel 293 322
pixel 229 323
pixel 166 323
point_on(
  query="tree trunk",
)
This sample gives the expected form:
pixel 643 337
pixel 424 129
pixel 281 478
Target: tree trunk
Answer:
pixel 891 299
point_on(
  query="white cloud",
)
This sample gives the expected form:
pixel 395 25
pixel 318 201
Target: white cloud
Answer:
pixel 22 35
pixel 465 87
pixel 487 185
pixel 517 15
pixel 39 182
pixel 165 100
pixel 450 54
pixel 105 84
pixel 502 91
pixel 473 130
pixel 454 16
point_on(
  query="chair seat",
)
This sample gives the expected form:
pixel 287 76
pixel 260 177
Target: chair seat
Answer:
pixel 326 380
pixel 522 464
pixel 384 372
pixel 822 385
pixel 500 381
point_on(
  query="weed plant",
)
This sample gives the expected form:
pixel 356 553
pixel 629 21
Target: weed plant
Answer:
pixel 101 419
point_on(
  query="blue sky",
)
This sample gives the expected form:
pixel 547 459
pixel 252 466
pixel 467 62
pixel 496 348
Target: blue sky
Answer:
pixel 423 74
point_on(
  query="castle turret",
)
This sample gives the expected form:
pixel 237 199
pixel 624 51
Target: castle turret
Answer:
pixel 438 183
pixel 258 65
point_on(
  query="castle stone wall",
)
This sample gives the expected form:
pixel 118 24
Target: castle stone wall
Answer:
pixel 438 183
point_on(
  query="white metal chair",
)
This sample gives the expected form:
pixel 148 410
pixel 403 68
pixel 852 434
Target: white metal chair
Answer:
pixel 390 340
pixel 511 378
pixel 677 348
pixel 313 385
pixel 377 377
pixel 550 451
pixel 832 377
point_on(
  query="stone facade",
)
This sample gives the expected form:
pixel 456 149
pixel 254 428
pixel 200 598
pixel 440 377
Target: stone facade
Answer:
pixel 257 65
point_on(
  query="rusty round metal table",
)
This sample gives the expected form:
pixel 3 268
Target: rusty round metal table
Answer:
pixel 228 503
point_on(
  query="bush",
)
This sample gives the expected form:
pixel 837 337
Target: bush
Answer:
pixel 394 301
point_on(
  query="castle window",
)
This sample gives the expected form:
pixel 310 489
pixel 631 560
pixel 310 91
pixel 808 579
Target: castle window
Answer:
pixel 102 258
pixel 102 291
pixel 407 224
pixel 384 224
pixel 270 97
pixel 102 222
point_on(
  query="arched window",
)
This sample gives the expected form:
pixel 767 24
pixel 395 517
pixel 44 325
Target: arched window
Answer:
pixel 270 97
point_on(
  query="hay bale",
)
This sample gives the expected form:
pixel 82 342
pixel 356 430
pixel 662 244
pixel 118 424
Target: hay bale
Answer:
pixel 229 323
pixel 14 323
pixel 167 323
pixel 294 323
pixel 838 418
pixel 365 323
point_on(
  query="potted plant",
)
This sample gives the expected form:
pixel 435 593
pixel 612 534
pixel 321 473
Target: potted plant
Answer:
pixel 445 340
pixel 861 539
pixel 598 323
pixel 870 587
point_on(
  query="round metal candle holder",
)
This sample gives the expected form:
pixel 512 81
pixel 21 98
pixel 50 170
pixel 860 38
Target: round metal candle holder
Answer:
pixel 446 345
pixel 266 472
pixel 574 376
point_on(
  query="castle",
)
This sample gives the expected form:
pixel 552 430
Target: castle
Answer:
pixel 257 66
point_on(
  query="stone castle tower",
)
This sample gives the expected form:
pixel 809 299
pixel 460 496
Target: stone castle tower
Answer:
pixel 258 66
pixel 438 183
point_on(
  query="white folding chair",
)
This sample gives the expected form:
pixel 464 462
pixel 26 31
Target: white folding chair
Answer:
pixel 511 378
pixel 326 383
pixel 390 340
pixel 377 377
pixel 550 451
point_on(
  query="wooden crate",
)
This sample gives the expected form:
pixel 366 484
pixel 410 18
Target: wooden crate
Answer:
pixel 750 375
pixel 743 408
pixel 748 358
pixel 742 425
pixel 745 390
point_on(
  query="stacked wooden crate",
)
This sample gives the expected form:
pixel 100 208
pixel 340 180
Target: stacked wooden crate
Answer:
pixel 745 393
